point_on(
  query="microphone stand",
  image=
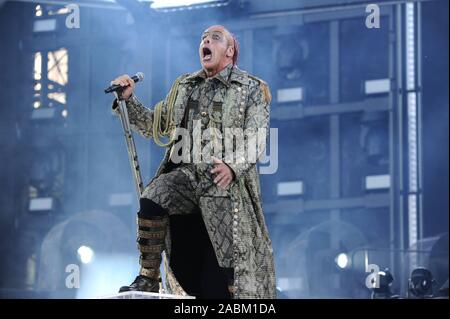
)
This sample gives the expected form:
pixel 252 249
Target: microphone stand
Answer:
pixel 132 153
pixel 132 156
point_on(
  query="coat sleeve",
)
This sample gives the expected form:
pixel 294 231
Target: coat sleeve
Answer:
pixel 141 118
pixel 256 130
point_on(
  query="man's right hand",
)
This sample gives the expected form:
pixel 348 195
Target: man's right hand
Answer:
pixel 126 82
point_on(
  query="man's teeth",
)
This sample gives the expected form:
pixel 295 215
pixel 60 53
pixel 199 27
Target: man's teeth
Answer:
pixel 207 57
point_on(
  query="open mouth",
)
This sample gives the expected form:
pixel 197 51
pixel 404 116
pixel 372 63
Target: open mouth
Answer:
pixel 207 54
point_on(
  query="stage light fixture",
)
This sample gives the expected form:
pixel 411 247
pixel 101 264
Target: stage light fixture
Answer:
pixel 342 260
pixel 85 253
pixel 383 291
pixel 420 283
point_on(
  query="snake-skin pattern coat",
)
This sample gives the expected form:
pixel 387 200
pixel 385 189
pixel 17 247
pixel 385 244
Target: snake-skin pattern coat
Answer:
pixel 244 103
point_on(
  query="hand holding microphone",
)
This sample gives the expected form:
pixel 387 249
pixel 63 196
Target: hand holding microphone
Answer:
pixel 126 84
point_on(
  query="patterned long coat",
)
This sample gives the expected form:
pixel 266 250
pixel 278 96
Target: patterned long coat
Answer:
pixel 245 105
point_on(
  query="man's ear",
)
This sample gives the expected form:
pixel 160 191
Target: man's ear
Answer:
pixel 230 51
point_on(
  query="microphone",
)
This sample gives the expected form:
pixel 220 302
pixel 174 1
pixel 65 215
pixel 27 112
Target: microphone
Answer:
pixel 139 77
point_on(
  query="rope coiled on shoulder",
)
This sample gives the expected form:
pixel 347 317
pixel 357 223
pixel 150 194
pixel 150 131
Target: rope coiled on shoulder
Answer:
pixel 169 126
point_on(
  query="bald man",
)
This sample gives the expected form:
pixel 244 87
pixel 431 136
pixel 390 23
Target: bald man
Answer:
pixel 205 214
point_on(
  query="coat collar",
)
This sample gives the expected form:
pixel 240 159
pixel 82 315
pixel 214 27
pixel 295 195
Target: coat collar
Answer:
pixel 229 74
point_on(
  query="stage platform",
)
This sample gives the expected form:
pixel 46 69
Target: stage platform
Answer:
pixel 143 295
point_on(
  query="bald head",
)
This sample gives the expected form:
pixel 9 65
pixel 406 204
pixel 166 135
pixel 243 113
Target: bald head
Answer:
pixel 223 30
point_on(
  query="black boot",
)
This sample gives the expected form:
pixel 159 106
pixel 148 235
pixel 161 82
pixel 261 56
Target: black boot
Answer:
pixel 142 283
pixel 151 243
